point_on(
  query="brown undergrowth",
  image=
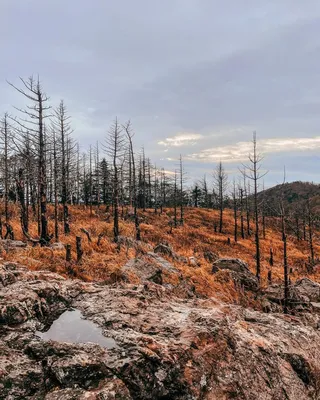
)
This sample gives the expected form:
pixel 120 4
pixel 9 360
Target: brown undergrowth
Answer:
pixel 196 236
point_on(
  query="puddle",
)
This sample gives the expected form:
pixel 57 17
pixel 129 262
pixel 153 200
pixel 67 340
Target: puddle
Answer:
pixel 71 327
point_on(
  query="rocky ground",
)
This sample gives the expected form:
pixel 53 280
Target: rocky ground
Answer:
pixel 171 344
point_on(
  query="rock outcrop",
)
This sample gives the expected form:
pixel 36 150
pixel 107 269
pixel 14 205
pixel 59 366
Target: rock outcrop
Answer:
pixel 304 292
pixel 239 271
pixel 150 267
pixel 167 348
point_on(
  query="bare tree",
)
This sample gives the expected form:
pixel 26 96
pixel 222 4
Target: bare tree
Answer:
pixel 253 172
pixel 310 232
pixel 235 210
pixel 32 121
pixel 21 195
pixel 62 129
pixel 221 184
pixel 55 184
pixel 241 212
pixel 283 217
pixel 5 141
pixel 115 149
pixel 130 134
pixel 181 175
pixel 175 190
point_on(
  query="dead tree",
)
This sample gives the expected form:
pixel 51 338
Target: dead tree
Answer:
pixel 62 129
pixel 155 186
pixel 115 149
pixel 253 172
pixel 181 175
pixel 241 213
pixel 90 180
pixel 97 173
pixel 143 176
pixel 310 233
pixel 175 219
pixel 79 249
pixel 263 212
pixel 5 141
pixel 33 122
pixel 9 233
pixel 149 183
pixel 21 196
pixel 271 257
pixel 68 253
pixel 163 189
pixel 235 211
pixel 220 183
pixel 55 184
pixel 297 226
pixel 206 197
pixel 130 135
pixel 285 256
pixel 196 195
pixel 248 208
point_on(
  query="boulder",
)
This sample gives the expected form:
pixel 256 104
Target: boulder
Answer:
pixel 303 292
pixel 307 290
pixel 193 261
pixel 165 250
pixel 149 267
pixel 210 256
pixel 12 244
pixel 274 293
pixel 57 246
pixel 239 271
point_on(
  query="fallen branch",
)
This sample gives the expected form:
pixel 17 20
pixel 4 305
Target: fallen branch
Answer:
pixel 87 233
pixel 27 235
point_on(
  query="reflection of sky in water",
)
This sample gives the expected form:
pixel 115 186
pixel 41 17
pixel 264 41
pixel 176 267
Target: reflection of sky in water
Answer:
pixel 71 327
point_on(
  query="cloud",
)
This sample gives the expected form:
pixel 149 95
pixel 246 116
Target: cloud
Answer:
pixel 239 152
pixel 176 69
pixel 183 139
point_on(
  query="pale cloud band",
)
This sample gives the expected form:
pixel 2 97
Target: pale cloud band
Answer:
pixel 183 139
pixel 239 152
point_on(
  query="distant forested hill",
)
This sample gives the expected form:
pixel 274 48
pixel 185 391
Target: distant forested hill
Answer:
pixel 295 195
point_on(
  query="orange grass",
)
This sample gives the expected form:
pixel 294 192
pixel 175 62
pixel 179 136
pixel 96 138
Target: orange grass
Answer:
pixel 197 235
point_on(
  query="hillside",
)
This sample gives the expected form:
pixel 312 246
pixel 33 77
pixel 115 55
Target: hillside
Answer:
pixel 104 261
pixel 295 195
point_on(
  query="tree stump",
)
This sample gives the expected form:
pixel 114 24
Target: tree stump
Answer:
pixel 79 249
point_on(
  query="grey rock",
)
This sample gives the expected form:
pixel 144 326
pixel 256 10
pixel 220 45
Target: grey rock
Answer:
pixel 168 348
pixel 303 292
pixel 57 246
pixel 193 261
pixel 210 256
pixel 12 245
pixel 305 288
pixel 239 270
pixel 150 267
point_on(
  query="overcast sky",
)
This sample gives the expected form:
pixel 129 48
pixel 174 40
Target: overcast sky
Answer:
pixel 195 77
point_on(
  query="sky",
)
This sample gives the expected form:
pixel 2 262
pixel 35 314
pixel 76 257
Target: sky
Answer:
pixel 195 77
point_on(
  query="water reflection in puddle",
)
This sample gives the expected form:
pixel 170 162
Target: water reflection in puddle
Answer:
pixel 71 327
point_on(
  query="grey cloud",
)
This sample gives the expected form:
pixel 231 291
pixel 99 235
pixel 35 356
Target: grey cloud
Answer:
pixel 204 67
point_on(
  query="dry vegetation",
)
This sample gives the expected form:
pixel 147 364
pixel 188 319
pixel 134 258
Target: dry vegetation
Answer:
pixel 196 236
